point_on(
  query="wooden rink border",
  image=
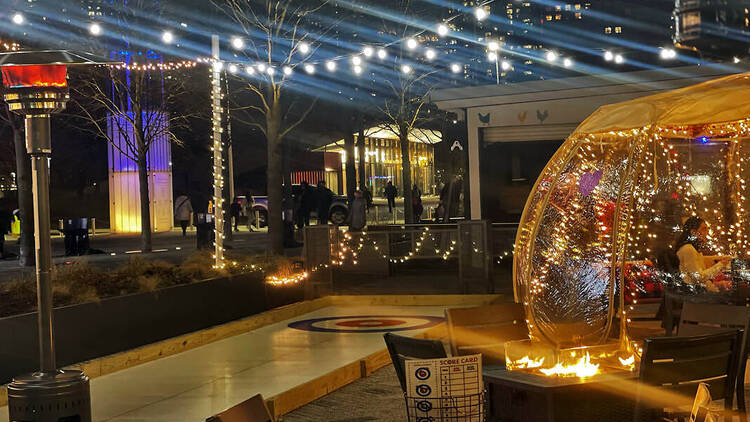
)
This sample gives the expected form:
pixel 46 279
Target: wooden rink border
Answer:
pixel 298 396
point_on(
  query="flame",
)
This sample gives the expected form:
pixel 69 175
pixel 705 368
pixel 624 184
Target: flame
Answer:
pixel 582 368
pixel 629 362
pixel 526 362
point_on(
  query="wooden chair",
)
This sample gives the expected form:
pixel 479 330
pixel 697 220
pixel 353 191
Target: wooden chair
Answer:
pixel 699 319
pixel 672 367
pixel 485 330
pixel 402 348
pixel 251 410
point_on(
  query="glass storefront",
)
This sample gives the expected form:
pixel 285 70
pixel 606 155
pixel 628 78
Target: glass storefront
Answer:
pixel 383 164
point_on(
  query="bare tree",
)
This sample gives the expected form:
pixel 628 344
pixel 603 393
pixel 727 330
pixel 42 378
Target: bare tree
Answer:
pixel 133 110
pixel 407 109
pixel 276 32
pixel 23 185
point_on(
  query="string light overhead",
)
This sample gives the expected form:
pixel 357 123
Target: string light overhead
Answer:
pixel 95 29
pixel 237 43
pixel 167 37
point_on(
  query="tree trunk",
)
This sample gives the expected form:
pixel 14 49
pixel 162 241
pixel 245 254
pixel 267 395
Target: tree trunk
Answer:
pixel 361 154
pixel 273 177
pixel 350 167
pixel 406 175
pixel 25 200
pixel 145 202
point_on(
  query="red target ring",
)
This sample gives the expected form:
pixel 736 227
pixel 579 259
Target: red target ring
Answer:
pixel 371 323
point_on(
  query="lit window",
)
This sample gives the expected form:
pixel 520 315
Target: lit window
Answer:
pixel 618 30
pixel 608 30
pixel 577 7
pixel 548 17
pixel 558 17
pixel 578 15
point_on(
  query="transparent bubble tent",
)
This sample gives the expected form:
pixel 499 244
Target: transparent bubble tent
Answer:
pixel 617 192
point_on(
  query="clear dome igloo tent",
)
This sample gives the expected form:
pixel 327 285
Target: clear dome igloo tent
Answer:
pixel 616 194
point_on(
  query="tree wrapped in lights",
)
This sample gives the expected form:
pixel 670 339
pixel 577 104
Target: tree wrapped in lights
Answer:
pixel 614 198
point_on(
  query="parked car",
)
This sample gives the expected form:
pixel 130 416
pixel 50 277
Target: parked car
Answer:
pixel 337 212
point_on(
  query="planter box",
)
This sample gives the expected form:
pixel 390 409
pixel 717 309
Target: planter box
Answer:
pixel 277 296
pixel 96 329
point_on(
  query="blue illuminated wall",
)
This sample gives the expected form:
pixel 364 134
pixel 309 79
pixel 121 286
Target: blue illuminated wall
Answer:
pixel 124 187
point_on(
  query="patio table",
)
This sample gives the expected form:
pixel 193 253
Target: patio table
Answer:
pixel 518 396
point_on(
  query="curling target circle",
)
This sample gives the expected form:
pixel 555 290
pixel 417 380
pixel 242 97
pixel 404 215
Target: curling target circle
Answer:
pixel 422 373
pixel 424 390
pixel 424 406
pixel 366 323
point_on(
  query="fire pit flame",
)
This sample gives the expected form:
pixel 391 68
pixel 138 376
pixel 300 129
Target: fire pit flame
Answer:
pixel 525 362
pixel 629 362
pixel 582 368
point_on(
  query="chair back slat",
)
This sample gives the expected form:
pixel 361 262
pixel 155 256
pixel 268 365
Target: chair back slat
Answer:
pixel 402 348
pixel 251 410
pixel 485 330
pixel 679 364
pixel 701 318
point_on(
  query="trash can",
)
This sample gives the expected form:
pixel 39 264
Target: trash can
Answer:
pixel 63 396
pixel 204 229
pixel 76 232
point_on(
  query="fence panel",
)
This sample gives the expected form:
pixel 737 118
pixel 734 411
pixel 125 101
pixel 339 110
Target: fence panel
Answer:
pixel 475 254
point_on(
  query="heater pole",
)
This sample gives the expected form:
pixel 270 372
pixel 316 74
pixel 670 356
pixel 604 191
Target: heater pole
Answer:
pixel 39 146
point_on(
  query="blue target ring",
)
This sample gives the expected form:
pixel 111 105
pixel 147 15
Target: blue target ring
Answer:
pixel 424 390
pixel 422 373
pixel 366 323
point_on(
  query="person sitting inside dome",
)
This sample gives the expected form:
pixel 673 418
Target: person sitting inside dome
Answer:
pixel 693 265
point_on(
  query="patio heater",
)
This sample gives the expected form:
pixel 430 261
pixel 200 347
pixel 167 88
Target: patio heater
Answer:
pixel 35 86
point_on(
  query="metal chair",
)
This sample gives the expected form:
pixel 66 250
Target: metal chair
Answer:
pixel 485 330
pixel 251 410
pixel 402 348
pixel 699 319
pixel 672 368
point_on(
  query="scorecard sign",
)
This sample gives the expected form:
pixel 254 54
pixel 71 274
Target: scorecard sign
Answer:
pixel 448 389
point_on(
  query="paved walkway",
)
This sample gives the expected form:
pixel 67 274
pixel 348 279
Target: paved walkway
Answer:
pixel 193 385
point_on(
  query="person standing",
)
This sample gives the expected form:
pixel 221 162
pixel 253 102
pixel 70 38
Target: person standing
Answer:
pixel 306 204
pixel 182 211
pixel 325 199
pixel 416 198
pixel 5 220
pixel 390 193
pixel 357 214
pixel 234 211
pixel 248 210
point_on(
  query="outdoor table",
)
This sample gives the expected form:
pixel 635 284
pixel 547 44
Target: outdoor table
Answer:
pixel 518 396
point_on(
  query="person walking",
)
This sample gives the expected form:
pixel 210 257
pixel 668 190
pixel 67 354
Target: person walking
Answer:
pixel 357 214
pixel 390 193
pixel 182 211
pixel 5 220
pixel 325 199
pixel 416 200
pixel 234 211
pixel 248 210
pixel 306 204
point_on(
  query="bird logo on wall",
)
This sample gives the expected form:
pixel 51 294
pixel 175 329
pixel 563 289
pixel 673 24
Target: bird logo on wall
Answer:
pixel 542 116
pixel 522 116
pixel 484 118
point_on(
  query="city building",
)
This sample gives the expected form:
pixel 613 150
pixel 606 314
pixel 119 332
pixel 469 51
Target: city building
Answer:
pixel 383 160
